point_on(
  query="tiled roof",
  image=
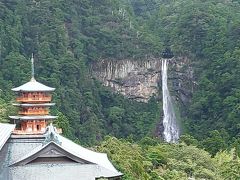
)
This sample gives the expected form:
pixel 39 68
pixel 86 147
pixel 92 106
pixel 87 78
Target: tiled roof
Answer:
pixel 5 132
pixel 60 172
pixel 100 159
pixel 33 86
pixel 34 105
pixel 27 148
pixel 32 117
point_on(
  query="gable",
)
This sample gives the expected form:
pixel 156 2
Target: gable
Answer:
pixel 50 154
pixel 51 160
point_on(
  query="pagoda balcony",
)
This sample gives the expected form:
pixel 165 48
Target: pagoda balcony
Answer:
pixel 34 112
pixel 27 132
pixel 34 99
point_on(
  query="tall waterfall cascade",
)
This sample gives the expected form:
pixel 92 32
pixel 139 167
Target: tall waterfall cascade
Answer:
pixel 171 129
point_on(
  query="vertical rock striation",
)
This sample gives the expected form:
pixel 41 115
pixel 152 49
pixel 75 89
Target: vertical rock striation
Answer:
pixel 139 80
pixel 136 80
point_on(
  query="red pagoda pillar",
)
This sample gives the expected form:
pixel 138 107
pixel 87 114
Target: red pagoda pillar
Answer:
pixel 34 101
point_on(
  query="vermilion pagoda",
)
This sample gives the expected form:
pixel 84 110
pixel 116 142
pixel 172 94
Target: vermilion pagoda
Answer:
pixel 34 100
pixel 35 149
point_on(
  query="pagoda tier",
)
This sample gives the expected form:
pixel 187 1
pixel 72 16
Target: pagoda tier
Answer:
pixel 34 101
pixel 33 127
pixel 32 117
pixel 22 118
pixel 34 97
pixel 35 105
pixel 34 87
pixel 34 109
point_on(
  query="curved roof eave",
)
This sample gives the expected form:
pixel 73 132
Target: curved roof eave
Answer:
pixel 32 117
pixel 108 166
pixel 5 132
pixel 91 156
pixel 33 105
pixel 33 86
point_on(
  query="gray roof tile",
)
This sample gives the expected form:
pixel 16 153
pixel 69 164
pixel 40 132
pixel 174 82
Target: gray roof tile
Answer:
pixel 5 132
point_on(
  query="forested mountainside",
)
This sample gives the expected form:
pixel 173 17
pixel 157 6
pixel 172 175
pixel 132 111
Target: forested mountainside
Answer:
pixel 67 36
pixel 208 33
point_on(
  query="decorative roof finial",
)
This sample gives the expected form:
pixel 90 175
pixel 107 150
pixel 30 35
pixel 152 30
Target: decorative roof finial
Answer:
pixel 32 60
pixel 51 135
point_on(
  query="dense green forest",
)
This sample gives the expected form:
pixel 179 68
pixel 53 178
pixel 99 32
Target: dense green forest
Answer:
pixel 66 36
pixel 209 33
pixel 150 159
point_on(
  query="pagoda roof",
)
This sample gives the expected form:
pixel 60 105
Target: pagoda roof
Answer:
pixel 33 86
pixel 32 117
pixel 5 133
pixel 34 105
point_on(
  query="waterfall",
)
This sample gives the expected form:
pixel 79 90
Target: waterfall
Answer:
pixel 171 129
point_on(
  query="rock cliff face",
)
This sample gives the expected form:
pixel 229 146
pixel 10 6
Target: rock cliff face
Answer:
pixel 139 80
pixel 182 79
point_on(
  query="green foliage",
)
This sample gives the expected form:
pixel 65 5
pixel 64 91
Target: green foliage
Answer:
pixel 158 161
pixel 215 142
pixel 3 111
pixel 229 164
pixel 63 123
pixel 207 33
pixel 188 140
pixel 193 161
pixel 65 37
pixel 126 157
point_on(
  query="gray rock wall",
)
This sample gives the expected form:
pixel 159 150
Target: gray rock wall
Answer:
pixel 139 80
pixel 182 79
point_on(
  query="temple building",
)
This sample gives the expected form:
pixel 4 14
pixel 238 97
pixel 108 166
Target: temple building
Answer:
pixel 34 100
pixel 31 148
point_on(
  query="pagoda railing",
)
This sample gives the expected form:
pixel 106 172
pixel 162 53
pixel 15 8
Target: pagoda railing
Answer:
pixel 25 132
pixel 34 99
pixel 34 112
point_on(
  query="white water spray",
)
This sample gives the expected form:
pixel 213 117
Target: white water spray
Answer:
pixel 171 130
